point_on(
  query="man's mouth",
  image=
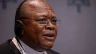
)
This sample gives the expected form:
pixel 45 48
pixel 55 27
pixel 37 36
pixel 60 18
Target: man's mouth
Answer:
pixel 49 36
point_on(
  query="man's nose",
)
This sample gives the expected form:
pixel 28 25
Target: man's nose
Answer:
pixel 50 26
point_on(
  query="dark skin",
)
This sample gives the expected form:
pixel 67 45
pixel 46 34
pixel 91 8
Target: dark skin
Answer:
pixel 34 34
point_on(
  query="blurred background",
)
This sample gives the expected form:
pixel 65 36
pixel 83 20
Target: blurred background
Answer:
pixel 77 31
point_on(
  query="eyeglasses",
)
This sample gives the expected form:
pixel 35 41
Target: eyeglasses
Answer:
pixel 44 21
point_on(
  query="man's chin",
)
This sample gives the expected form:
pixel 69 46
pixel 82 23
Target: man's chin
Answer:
pixel 48 45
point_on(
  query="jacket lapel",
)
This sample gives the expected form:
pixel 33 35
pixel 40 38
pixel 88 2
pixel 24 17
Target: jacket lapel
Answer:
pixel 13 48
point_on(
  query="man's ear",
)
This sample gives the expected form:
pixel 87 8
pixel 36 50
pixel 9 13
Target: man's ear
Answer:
pixel 19 28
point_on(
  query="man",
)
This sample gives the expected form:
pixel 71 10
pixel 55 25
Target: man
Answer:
pixel 35 29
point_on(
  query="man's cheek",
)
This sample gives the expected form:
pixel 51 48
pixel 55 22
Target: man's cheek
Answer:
pixel 39 28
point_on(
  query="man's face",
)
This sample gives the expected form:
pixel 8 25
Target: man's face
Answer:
pixel 36 31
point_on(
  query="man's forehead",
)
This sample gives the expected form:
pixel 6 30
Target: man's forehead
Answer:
pixel 36 0
pixel 34 6
pixel 37 4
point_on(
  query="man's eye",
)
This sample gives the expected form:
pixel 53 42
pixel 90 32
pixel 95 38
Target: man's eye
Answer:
pixel 54 21
pixel 42 21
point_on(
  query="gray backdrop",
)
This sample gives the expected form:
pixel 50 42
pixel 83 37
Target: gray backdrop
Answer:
pixel 77 31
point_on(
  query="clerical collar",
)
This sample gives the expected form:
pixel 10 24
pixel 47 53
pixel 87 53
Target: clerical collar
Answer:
pixel 24 49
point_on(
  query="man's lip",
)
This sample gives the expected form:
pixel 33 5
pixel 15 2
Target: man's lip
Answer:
pixel 49 36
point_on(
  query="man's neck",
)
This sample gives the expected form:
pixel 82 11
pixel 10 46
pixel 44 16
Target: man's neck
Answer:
pixel 25 48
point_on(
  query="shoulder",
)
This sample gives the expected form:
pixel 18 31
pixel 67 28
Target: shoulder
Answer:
pixel 9 48
pixel 4 48
pixel 50 51
pixel 5 44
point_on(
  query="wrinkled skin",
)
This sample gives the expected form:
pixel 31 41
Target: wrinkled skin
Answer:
pixel 33 32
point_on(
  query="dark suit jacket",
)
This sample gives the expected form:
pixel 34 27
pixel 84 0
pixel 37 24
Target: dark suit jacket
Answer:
pixel 9 48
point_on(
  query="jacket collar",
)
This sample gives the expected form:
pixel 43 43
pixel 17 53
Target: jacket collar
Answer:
pixel 13 47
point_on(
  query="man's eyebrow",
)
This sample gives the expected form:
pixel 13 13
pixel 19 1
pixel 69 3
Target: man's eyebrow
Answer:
pixel 44 17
